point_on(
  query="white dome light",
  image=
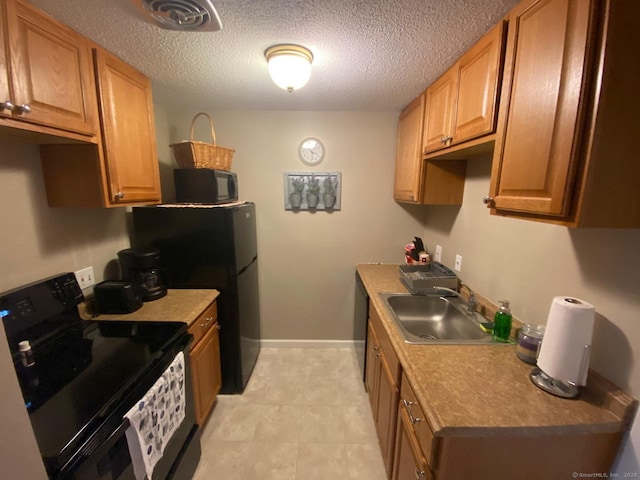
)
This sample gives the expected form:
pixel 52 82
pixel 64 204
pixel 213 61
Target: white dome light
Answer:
pixel 289 66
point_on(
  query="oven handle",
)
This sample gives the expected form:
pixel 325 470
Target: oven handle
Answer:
pixel 75 461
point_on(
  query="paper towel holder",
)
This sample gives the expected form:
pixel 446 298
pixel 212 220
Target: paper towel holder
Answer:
pixel 562 388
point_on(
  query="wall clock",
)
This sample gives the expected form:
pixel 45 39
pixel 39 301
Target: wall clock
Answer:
pixel 311 151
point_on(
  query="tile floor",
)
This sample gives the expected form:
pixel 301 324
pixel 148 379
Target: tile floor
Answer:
pixel 303 416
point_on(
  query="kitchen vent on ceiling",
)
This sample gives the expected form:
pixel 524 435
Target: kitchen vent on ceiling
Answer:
pixel 183 15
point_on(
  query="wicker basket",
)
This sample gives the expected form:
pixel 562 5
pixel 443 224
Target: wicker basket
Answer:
pixel 194 154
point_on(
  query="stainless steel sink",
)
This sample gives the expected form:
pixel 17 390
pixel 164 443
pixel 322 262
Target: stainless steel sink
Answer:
pixel 434 319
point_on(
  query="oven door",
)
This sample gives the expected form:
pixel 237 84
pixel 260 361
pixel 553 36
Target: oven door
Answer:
pixel 106 455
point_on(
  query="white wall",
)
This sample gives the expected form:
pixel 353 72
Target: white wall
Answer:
pixel 529 263
pixel 307 260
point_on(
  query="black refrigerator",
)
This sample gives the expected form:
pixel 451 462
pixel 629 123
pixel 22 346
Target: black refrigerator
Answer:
pixel 212 246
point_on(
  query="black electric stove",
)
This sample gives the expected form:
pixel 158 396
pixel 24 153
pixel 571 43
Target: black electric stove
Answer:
pixel 80 376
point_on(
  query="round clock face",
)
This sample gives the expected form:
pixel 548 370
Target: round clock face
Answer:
pixel 311 151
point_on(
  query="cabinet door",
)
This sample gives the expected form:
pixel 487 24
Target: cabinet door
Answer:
pixel 373 370
pixel 5 94
pixel 128 130
pixel 439 114
pixel 409 163
pixel 409 463
pixel 478 73
pixel 51 71
pixel 536 151
pixel 387 413
pixel 205 371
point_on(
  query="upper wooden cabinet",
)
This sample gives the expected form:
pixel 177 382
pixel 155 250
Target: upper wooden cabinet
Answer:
pixel 566 150
pixel 461 104
pixel 417 180
pixel 46 73
pixel 451 114
pixel 5 93
pixel 441 103
pixel 128 131
pixel 122 169
pixel 408 176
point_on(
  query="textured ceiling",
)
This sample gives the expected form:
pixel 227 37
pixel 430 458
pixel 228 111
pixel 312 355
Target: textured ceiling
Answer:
pixel 368 54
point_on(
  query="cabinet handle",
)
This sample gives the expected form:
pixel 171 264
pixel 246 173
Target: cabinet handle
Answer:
pixel 206 323
pixel 24 108
pixel 218 326
pixel 7 106
pixel 488 201
pixel 376 348
pixel 443 139
pixel 419 474
pixel 407 406
pixel 118 196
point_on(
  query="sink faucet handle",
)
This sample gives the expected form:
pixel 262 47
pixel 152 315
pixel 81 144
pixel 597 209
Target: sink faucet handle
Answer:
pixel 471 303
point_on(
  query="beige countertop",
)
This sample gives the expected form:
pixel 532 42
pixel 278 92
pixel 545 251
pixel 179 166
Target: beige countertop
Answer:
pixel 464 388
pixel 177 306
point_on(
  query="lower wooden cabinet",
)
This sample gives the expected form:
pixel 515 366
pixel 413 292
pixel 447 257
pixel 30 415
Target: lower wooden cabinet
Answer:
pixel 408 463
pixel 382 382
pixel 205 362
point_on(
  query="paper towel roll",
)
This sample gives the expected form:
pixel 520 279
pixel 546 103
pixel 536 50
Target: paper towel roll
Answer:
pixel 569 329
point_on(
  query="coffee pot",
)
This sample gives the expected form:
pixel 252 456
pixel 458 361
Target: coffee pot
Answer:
pixel 141 267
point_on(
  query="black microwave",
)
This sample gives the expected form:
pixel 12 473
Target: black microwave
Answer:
pixel 205 185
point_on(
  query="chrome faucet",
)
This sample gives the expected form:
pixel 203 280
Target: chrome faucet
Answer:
pixel 470 304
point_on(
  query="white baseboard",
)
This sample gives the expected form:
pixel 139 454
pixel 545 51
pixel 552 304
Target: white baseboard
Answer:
pixel 307 343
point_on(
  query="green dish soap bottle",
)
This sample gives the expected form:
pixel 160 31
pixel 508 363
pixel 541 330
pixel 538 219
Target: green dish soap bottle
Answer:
pixel 502 322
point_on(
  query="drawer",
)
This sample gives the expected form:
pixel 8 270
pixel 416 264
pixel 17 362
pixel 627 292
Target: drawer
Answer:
pixel 206 320
pixel 426 440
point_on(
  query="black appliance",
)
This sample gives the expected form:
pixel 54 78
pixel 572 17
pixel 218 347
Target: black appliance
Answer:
pixel 360 323
pixel 141 267
pixel 116 297
pixel 212 246
pixel 79 378
pixel 205 185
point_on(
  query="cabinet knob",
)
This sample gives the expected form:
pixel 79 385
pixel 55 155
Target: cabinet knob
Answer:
pixel 218 326
pixel 488 201
pixel 419 474
pixel 118 196
pixel 443 139
pixel 7 106
pixel 206 323
pixel 24 108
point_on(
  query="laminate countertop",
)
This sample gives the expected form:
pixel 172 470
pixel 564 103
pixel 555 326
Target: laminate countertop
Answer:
pixel 464 388
pixel 177 306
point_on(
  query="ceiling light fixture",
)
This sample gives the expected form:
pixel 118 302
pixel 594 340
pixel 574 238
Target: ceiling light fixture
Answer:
pixel 289 65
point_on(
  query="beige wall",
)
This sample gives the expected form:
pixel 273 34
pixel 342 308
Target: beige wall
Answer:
pixel 307 259
pixel 37 241
pixel 529 263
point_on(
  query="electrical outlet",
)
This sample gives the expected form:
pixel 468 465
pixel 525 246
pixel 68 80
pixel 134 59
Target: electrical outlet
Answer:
pixel 458 264
pixel 85 277
pixel 438 254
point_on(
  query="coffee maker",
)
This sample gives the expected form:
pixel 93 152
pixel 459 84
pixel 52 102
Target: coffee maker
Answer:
pixel 141 267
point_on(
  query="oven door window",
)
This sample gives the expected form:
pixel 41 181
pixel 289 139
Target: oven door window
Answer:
pixel 114 464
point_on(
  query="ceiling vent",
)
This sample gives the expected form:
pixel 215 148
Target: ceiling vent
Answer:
pixel 183 15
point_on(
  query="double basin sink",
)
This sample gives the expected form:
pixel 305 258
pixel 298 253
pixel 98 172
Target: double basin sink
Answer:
pixel 435 319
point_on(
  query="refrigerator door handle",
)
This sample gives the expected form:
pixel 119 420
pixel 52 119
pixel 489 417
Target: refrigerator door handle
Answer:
pixel 247 266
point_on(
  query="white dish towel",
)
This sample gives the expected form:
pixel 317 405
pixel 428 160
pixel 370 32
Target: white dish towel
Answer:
pixel 154 419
